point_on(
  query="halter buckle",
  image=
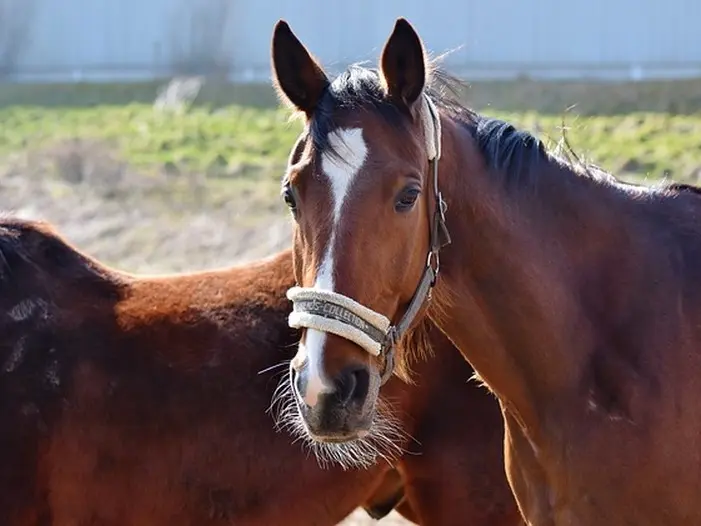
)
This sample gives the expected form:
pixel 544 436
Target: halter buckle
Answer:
pixel 442 205
pixel 391 338
pixel 433 261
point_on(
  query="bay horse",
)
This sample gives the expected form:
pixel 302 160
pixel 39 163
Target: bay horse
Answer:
pixel 143 400
pixel 573 295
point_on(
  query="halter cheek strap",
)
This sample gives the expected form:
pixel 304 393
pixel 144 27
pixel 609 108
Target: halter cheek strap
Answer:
pixel 337 314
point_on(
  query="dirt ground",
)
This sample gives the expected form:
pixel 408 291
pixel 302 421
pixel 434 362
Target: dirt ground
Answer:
pixel 149 225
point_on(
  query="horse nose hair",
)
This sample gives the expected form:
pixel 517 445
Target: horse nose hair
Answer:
pixel 352 385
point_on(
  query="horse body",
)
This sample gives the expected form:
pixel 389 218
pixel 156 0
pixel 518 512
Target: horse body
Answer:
pixel 571 294
pixel 138 400
pixel 590 342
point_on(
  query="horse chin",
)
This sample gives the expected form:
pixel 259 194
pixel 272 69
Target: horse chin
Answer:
pixel 359 430
pixel 343 425
pixel 375 434
pixel 359 435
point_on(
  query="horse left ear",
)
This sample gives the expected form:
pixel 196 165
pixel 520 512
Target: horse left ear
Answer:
pixel 403 65
pixel 297 76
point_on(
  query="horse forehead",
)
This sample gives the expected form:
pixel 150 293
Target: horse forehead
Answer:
pixel 350 149
pixel 357 150
pixel 342 161
pixel 391 145
pixel 346 151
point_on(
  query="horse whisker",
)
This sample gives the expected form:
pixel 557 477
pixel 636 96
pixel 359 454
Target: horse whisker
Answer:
pixel 384 441
pixel 284 363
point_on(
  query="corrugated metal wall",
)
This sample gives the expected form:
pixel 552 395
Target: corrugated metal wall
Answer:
pixel 122 39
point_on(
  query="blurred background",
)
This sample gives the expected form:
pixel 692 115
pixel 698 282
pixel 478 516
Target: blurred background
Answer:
pixel 148 132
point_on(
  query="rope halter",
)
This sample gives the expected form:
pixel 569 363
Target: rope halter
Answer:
pixel 337 314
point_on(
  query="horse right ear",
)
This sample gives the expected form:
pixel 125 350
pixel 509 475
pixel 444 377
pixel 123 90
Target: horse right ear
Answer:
pixel 297 76
pixel 403 65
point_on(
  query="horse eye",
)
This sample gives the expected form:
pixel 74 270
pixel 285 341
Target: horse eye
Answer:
pixel 406 199
pixel 289 198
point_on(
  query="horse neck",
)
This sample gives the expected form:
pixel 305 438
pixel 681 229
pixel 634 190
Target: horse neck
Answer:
pixel 509 274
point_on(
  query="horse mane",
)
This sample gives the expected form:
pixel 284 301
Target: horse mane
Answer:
pixel 515 155
pixel 681 188
pixel 505 148
pixel 37 246
pixel 12 250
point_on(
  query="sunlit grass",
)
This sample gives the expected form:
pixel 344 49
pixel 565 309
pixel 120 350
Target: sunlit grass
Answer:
pixel 234 139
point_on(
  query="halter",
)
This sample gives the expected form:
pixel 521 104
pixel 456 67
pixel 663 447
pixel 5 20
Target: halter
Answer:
pixel 337 314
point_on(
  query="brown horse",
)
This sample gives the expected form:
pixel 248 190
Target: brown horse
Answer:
pixel 142 401
pixel 573 295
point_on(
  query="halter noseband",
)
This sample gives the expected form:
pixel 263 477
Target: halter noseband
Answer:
pixel 337 314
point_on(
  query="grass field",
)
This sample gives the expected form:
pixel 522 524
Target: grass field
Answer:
pixel 149 190
pixel 236 139
pixel 233 131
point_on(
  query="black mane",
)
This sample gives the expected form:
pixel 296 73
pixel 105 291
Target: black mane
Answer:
pixel 516 153
pixel 29 249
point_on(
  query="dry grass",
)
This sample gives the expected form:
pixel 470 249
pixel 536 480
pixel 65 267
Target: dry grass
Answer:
pixel 151 223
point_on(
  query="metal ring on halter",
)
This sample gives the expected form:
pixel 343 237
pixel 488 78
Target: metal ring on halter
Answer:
pixel 434 256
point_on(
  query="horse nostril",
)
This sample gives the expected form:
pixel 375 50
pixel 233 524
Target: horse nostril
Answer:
pixel 353 385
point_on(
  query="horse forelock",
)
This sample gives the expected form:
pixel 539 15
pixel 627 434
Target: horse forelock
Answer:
pixel 354 89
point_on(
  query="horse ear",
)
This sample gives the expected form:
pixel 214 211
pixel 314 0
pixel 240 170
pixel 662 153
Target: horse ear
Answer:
pixel 403 64
pixel 297 76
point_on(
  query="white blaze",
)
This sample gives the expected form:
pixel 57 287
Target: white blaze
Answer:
pixel 340 170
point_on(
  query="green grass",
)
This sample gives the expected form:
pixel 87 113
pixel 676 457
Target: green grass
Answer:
pixel 196 140
pixel 216 136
